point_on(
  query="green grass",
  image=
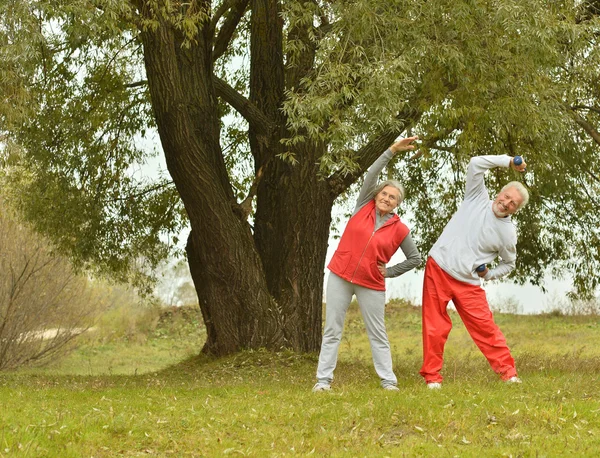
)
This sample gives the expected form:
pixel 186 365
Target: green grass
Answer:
pixel 260 404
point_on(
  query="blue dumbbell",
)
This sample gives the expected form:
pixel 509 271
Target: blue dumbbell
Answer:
pixel 517 160
pixel 481 268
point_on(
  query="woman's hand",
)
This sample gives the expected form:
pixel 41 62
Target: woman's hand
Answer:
pixel 382 269
pixel 404 144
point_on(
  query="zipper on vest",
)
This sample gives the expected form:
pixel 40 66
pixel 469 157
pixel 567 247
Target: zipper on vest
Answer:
pixel 362 255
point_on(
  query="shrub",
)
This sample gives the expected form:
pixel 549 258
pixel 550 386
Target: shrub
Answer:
pixel 44 305
pixel 567 306
pixel 129 317
pixel 507 305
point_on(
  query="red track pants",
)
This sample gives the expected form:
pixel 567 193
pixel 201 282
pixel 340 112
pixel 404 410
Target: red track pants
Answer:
pixel 472 306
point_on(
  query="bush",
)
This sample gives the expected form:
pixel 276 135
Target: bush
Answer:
pixel 129 318
pixel 566 306
pixel 507 305
pixel 136 319
pixel 44 305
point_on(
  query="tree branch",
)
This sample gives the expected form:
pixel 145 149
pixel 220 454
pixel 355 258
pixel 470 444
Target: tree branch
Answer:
pixel 223 7
pixel 137 84
pixel 245 207
pixel 339 182
pixel 236 8
pixel 585 107
pixel 136 195
pixel 585 125
pixel 251 113
pixel 301 63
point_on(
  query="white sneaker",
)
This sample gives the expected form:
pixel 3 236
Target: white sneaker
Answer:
pixel 319 386
pixel 514 379
pixel 434 386
pixel 391 388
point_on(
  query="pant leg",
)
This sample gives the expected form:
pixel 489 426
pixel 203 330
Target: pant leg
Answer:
pixel 473 308
pixel 436 323
pixel 372 308
pixel 337 300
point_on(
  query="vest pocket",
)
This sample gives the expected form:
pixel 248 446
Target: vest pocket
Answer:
pixel 339 262
pixel 375 271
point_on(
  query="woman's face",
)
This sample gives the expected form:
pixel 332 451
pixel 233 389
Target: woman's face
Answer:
pixel 387 199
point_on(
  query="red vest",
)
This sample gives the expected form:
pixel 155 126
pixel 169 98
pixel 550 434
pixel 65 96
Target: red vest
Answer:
pixel 361 249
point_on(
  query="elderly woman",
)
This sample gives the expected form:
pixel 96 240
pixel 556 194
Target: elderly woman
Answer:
pixel 358 267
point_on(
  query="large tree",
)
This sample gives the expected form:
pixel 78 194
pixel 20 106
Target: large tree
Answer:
pixel 268 110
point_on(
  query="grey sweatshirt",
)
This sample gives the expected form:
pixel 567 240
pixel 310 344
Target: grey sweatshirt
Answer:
pixel 475 235
pixel 408 247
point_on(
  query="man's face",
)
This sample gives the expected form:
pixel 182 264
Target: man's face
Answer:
pixel 507 202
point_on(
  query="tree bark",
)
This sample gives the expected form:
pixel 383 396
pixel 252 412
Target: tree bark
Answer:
pixel 291 231
pixel 293 206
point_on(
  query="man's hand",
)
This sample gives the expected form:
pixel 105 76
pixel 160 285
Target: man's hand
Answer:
pixel 382 269
pixel 482 273
pixel 404 144
pixel 519 168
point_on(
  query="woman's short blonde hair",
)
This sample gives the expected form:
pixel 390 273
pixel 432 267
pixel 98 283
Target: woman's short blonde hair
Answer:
pixel 393 183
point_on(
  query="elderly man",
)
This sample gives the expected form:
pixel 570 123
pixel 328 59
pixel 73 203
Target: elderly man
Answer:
pixel 479 231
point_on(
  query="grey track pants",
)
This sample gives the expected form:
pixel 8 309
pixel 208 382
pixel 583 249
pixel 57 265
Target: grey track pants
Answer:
pixel 372 307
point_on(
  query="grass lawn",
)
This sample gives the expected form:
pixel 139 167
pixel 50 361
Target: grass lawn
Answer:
pixel 153 398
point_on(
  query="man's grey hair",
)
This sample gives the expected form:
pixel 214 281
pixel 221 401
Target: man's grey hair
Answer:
pixel 520 189
pixel 395 184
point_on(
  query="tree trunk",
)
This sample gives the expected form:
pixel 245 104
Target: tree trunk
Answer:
pixel 293 206
pixel 236 304
pixel 291 232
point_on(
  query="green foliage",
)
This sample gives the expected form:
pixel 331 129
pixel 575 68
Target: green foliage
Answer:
pixel 484 77
pixel 490 77
pixel 19 50
pixel 74 170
